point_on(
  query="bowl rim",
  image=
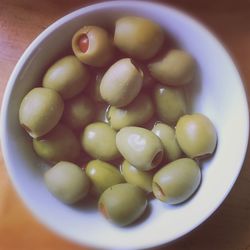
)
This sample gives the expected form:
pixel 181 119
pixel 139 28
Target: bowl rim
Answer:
pixel 66 18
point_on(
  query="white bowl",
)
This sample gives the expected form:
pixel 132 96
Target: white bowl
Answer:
pixel 219 94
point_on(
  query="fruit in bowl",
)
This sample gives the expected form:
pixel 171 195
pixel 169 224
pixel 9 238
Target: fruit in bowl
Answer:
pixel 203 95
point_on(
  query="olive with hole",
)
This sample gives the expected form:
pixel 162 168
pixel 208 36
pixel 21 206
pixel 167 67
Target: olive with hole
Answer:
pixel 60 144
pixel 40 111
pixel 196 135
pixel 136 113
pixel 98 140
pixel 78 112
pixel 122 204
pixel 177 181
pixel 93 46
pixel 175 68
pixel 132 175
pixel 138 37
pixel 121 83
pixel 169 141
pixel 67 182
pixel 68 76
pixel 170 103
pixel 140 147
pixel 103 175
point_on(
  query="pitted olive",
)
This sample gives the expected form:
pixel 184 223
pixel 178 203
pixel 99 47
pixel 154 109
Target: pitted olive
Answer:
pixel 122 204
pixel 40 111
pixel 92 45
pixel 121 83
pixel 140 147
pixel 68 76
pixel 177 181
pixel 142 179
pixel 103 175
pixel 98 140
pixel 78 112
pixel 138 37
pixel 196 135
pixel 136 113
pixel 60 144
pixel 168 139
pixel 67 182
pixel 170 103
pixel 176 68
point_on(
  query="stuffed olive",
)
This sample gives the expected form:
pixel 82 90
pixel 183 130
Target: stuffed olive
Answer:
pixel 175 68
pixel 169 141
pixel 60 144
pixel 67 182
pixel 68 76
pixel 92 45
pixel 140 147
pixel 177 181
pixel 122 204
pixel 196 135
pixel 98 140
pixel 142 179
pixel 138 37
pixel 78 112
pixel 121 83
pixel 136 113
pixel 170 103
pixel 103 175
pixel 40 111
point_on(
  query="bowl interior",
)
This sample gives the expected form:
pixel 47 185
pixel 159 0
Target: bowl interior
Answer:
pixel 218 93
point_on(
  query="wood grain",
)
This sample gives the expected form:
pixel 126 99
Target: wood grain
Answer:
pixel 22 20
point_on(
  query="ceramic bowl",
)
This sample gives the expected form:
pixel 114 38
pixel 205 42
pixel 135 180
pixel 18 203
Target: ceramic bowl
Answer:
pixel 218 93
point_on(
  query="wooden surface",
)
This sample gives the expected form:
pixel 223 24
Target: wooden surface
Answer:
pixel 22 20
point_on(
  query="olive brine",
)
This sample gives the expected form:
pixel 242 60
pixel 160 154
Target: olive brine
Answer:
pixel 111 121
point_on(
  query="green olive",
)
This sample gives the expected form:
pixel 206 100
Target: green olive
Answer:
pixel 138 37
pixel 136 113
pixel 170 103
pixel 92 45
pixel 168 139
pixel 132 175
pixel 121 83
pixel 196 135
pixel 98 140
pixel 140 147
pixel 67 182
pixel 122 204
pixel 103 175
pixel 60 144
pixel 175 68
pixel 67 76
pixel 78 112
pixel 177 181
pixel 40 111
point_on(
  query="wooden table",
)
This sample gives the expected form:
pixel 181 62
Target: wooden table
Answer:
pixel 22 20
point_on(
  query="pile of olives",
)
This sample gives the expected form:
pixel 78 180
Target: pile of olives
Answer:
pixel 111 120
